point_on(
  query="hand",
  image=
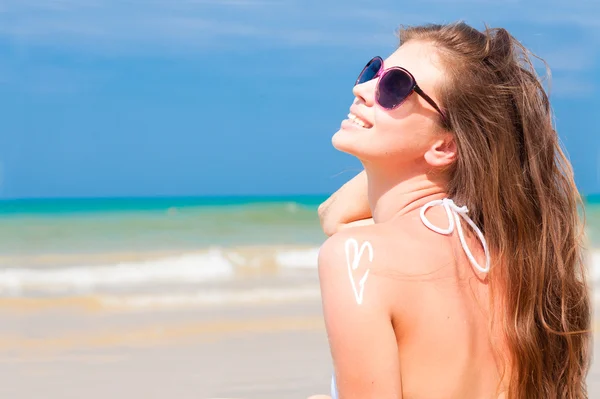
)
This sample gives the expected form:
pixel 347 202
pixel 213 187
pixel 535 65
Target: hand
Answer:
pixel 346 207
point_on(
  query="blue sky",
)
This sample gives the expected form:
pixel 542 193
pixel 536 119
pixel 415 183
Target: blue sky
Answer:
pixel 221 97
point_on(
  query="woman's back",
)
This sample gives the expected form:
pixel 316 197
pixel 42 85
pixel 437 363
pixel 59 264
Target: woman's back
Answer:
pixel 437 303
pixel 446 347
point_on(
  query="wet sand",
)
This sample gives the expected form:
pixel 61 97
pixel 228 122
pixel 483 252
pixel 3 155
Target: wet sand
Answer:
pixel 260 351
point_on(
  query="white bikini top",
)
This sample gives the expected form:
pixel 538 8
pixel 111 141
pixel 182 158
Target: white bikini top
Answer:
pixel 453 212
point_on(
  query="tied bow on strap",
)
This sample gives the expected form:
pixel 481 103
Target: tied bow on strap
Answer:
pixel 453 212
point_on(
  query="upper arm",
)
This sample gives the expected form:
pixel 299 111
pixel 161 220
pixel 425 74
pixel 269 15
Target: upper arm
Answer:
pixel 358 318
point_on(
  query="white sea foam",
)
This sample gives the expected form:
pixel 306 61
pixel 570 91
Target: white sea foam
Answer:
pixel 187 268
pixel 298 259
pixel 213 265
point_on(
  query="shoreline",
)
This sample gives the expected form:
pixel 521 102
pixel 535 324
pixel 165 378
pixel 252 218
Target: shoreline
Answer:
pixel 95 258
pixel 154 271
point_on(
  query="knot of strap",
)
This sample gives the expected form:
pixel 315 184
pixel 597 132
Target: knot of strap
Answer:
pixel 453 211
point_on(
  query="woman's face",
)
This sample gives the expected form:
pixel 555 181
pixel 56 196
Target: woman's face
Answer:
pixel 402 135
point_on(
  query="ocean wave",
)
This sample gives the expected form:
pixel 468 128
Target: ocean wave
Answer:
pixel 85 276
pixel 298 259
pixel 186 268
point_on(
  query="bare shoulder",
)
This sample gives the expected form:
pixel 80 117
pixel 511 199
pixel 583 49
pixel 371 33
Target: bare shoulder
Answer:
pixel 358 317
pixel 356 264
pixel 402 248
pixel 340 245
pixel 336 246
pixel 353 245
pixel 383 265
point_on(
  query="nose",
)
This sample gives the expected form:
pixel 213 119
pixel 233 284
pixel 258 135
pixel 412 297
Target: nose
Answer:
pixel 365 92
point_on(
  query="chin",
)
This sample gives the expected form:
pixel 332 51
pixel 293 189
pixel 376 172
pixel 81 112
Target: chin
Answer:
pixel 343 141
pixel 348 143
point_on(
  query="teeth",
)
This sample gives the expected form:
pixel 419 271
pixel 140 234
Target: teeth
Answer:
pixel 357 120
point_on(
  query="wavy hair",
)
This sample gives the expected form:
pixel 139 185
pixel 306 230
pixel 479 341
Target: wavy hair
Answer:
pixel 514 177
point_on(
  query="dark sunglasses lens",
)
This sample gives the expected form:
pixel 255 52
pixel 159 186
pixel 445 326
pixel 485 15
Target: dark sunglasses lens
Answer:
pixel 369 71
pixel 394 87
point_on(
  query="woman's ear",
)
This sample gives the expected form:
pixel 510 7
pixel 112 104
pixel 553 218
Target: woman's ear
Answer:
pixel 442 152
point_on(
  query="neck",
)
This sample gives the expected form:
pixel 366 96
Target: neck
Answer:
pixel 393 195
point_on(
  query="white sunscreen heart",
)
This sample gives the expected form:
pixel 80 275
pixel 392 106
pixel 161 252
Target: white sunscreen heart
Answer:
pixel 353 256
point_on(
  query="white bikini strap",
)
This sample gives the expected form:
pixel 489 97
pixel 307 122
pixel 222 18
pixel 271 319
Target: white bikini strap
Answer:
pixel 452 209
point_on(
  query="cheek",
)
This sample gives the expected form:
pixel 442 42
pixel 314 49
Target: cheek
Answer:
pixel 399 132
pixel 390 126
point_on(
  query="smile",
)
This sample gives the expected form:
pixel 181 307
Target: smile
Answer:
pixel 358 121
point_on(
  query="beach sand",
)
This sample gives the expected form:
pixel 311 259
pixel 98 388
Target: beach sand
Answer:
pixel 259 351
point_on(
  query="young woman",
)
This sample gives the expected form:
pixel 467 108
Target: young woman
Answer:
pixel 454 267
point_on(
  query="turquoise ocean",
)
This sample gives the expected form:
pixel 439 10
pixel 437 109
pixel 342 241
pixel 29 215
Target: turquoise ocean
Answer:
pixel 195 247
pixel 40 226
pixel 168 246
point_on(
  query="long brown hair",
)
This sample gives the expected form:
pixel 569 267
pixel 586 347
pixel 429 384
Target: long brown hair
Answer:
pixel 518 185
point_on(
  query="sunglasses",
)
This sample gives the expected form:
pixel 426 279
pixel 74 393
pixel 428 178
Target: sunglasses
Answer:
pixel 394 86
